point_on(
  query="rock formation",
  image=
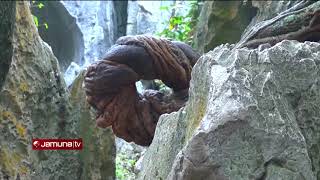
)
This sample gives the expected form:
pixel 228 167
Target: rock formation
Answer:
pixel 252 113
pixel 63 34
pixel 34 103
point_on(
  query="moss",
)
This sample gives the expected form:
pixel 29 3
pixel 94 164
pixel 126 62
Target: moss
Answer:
pixel 11 163
pixel 24 87
pixel 21 130
pixel 195 118
pixel 124 167
pixel 23 169
pixel 6 115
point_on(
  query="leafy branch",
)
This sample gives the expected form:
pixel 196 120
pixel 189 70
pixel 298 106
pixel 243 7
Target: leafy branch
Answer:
pixel 39 5
pixel 180 27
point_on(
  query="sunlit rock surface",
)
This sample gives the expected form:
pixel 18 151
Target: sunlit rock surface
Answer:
pixel 150 17
pixel 71 73
pixel 34 103
pixel 253 115
pixel 93 27
pixel 99 22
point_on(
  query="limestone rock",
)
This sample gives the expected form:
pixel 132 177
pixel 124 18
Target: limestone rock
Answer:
pixel 98 156
pixel 252 114
pixel 34 103
pixel 62 33
pixel 101 22
pixel 71 73
pixel 147 17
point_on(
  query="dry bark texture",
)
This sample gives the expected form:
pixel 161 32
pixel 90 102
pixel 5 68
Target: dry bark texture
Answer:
pixel 110 84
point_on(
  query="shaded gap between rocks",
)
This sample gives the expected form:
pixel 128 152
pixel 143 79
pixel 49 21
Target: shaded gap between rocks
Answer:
pixel 63 34
pixel 231 31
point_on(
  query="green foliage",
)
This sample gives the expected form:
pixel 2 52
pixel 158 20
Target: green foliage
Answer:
pixel 124 167
pixel 162 87
pixel 38 5
pixel 35 19
pixel 180 27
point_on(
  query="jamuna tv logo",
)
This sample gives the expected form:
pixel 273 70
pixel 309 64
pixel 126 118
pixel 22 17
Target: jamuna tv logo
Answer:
pixel 36 144
pixel 57 144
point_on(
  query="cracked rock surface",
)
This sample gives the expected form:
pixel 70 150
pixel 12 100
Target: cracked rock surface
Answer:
pixel 251 114
pixel 35 103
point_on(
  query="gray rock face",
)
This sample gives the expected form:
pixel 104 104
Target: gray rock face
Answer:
pixel 81 32
pixel 63 33
pixel 72 72
pixel 269 9
pixel 34 103
pixel 100 23
pixel 146 17
pixel 253 115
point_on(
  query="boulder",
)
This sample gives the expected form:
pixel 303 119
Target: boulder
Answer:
pixel 251 114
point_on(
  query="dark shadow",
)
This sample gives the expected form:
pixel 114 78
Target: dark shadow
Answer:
pixel 7 20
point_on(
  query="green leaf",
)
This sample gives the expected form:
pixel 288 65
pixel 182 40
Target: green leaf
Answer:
pixel 35 19
pixel 180 27
pixel 40 5
pixel 164 8
pixel 177 20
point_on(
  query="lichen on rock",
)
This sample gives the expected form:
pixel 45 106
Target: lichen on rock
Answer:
pixel 255 122
pixel 35 103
